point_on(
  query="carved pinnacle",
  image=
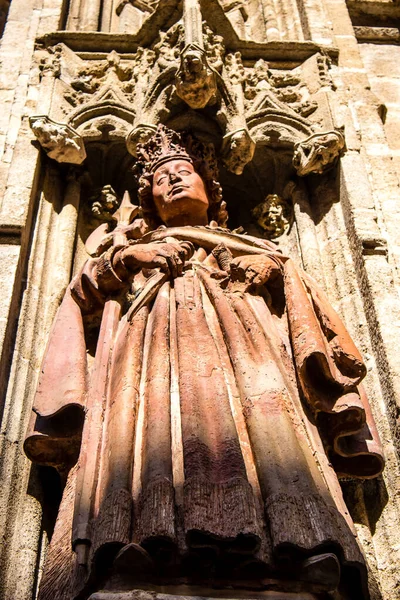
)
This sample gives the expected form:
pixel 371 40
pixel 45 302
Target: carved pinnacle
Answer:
pixel 192 21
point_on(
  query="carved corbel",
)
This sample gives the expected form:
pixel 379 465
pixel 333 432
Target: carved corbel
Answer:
pixel 237 150
pixel 318 153
pixel 195 80
pixel 60 141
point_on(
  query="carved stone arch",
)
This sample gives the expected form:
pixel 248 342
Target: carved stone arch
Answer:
pixel 110 118
pixel 278 129
pixel 202 125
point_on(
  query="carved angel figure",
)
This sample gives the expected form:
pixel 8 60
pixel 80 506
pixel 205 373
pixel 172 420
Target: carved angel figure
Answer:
pixel 224 394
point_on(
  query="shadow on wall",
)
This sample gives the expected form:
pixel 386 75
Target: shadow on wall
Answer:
pixel 4 8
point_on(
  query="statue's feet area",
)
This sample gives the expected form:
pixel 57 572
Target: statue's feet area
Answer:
pixel 219 566
pixel 200 595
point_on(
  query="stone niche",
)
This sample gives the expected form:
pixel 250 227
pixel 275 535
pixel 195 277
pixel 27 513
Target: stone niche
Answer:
pixel 265 108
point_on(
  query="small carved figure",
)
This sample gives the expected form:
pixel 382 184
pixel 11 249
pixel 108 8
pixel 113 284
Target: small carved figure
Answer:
pixel 195 80
pixel 104 204
pixel 197 462
pixel 60 141
pixel 273 216
pixel 318 153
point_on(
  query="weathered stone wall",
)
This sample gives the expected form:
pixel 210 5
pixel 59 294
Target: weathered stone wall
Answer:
pixel 349 236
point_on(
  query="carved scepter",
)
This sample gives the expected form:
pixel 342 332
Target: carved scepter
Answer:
pixel 92 432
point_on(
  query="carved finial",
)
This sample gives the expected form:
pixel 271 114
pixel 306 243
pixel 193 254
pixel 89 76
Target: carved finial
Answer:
pixel 126 212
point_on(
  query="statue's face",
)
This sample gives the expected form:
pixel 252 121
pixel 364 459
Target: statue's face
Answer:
pixel 179 194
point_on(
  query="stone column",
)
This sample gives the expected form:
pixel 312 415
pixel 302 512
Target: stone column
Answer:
pixel 66 231
pixel 193 23
pixel 73 15
pixel 271 22
pixel 89 15
pixel 309 247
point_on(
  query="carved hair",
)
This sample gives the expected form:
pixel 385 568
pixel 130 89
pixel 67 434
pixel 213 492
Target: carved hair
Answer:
pixel 166 145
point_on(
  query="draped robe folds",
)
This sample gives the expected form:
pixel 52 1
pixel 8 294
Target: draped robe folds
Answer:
pixel 195 443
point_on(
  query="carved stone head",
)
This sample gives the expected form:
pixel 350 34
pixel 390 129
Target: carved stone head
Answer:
pixel 318 153
pixel 186 178
pixel 195 80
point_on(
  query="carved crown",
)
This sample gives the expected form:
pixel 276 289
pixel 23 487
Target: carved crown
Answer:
pixel 166 145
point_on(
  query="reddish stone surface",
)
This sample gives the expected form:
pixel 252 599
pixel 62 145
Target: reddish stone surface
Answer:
pixel 253 351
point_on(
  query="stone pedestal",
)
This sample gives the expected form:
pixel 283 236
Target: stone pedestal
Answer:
pixel 226 594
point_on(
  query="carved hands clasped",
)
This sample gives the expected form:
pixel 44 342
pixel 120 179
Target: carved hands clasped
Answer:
pixel 169 257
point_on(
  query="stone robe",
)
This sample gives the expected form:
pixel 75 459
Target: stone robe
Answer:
pixel 208 410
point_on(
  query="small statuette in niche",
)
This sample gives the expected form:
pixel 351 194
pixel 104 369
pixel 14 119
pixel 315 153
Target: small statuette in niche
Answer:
pixel 104 204
pixel 273 215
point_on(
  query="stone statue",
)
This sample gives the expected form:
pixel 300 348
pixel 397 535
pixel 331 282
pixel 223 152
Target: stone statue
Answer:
pixel 273 216
pixel 222 386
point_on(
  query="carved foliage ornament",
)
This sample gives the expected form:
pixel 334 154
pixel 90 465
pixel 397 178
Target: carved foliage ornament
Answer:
pixel 262 84
pixel 94 76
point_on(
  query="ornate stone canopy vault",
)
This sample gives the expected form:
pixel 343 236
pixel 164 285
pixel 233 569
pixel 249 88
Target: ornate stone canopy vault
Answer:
pixel 190 67
pixel 200 363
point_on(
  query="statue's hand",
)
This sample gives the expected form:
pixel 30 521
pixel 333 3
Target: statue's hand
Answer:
pixel 169 256
pixel 253 269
